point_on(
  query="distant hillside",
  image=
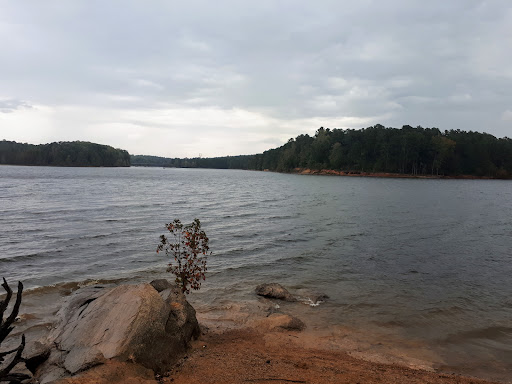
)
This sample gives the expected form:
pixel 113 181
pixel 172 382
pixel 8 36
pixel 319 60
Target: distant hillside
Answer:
pixel 229 162
pixel 150 161
pixel 67 154
pixel 377 149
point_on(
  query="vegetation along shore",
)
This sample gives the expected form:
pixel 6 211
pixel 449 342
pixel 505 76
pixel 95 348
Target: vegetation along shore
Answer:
pixel 373 151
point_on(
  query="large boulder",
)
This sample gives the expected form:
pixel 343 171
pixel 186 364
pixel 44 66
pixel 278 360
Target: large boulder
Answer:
pixel 128 323
pixel 274 291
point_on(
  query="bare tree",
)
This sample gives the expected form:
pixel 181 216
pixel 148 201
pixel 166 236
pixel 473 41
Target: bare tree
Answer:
pixel 5 329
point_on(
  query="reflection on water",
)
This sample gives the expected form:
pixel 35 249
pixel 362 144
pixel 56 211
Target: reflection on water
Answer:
pixel 421 264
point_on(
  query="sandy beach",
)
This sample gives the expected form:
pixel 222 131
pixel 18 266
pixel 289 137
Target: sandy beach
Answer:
pixel 245 346
pixel 250 356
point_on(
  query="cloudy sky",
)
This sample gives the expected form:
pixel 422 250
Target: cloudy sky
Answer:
pixel 234 77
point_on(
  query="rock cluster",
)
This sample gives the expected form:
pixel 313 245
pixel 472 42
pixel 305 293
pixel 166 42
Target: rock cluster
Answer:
pixel 147 324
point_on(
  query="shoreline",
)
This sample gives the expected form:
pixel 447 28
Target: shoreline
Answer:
pixel 298 171
pixel 390 175
pixel 251 355
pixel 366 356
pixel 237 335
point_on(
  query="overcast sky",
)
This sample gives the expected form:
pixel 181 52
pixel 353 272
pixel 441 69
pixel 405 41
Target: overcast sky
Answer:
pixel 234 77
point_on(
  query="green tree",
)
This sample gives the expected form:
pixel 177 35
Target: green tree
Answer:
pixel 336 156
pixel 443 147
pixel 320 148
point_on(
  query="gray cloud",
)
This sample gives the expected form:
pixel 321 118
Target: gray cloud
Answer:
pixel 8 106
pixel 149 66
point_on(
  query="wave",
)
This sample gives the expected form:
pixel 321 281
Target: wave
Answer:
pixel 362 305
pixel 246 235
pixel 71 285
pixel 496 333
pixel 312 302
pixel 296 258
pixel 391 324
pixel 241 215
pixel 30 257
pixel 100 236
pixel 290 240
pixel 233 251
pixel 453 310
pixel 282 217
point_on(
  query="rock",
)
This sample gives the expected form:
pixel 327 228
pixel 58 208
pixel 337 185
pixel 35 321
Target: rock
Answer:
pixel 161 284
pixel 281 321
pixel 35 354
pixel 320 298
pixel 182 316
pixel 128 323
pixel 51 374
pixel 274 291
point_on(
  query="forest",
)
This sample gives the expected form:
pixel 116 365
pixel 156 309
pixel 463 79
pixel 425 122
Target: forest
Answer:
pixel 376 149
pixel 66 154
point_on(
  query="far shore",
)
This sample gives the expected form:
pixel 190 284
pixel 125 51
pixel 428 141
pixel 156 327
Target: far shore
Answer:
pixel 332 172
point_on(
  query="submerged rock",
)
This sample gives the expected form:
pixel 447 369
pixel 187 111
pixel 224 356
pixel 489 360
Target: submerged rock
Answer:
pixel 274 291
pixel 278 321
pixel 128 323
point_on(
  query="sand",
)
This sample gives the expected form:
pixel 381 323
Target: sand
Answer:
pixel 248 355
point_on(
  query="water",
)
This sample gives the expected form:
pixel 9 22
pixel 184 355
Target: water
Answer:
pixel 424 265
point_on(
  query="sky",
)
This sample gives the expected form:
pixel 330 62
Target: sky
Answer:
pixel 214 78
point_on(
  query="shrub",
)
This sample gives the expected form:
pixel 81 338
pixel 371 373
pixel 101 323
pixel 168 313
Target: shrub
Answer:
pixel 189 248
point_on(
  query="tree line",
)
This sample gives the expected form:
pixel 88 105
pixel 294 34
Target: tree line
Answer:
pixel 67 154
pixel 409 150
pixel 227 162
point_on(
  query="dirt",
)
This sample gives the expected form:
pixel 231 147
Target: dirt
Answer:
pixel 250 356
pixel 113 372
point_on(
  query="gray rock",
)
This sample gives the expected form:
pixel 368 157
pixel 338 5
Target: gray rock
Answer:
pixel 161 284
pixel 182 316
pixel 36 353
pixel 319 298
pixel 274 291
pixel 51 374
pixel 82 358
pixel 132 323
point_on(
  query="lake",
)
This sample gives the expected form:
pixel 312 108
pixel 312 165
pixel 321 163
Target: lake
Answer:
pixel 419 266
